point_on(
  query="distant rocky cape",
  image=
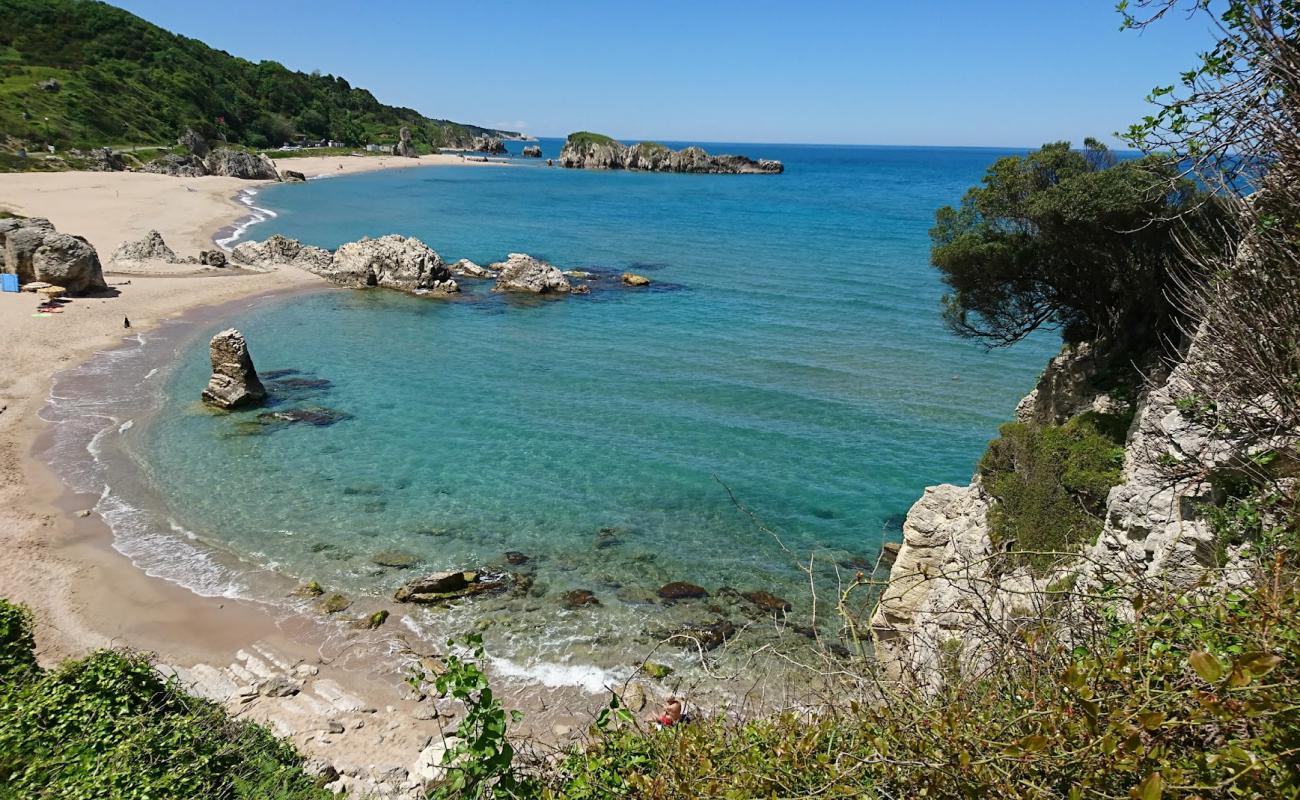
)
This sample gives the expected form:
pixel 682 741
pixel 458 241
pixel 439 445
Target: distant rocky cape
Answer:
pixel 585 150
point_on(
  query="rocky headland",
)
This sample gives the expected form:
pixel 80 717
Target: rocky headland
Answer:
pixel 585 150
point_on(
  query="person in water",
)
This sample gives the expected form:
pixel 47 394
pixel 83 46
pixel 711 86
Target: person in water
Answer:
pixel 671 715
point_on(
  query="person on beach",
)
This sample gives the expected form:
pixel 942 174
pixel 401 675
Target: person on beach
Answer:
pixel 671 715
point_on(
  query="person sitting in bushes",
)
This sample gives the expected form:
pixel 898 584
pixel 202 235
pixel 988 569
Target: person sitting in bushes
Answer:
pixel 671 715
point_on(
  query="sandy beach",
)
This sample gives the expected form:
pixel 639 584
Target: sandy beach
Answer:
pixel 59 559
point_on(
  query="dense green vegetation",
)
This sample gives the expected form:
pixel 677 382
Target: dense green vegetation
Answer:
pixel 108 726
pixel 587 138
pixel 1072 240
pixel 1050 483
pixel 123 81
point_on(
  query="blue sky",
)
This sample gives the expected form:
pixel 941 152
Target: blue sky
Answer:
pixel 930 72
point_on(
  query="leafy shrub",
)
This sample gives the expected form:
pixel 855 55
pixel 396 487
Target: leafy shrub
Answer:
pixel 17 643
pixel 109 726
pixel 1051 482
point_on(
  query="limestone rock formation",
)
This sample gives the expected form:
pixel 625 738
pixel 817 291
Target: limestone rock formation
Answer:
pixel 521 272
pixel 277 251
pixel 531 151
pixel 591 151
pixel 633 279
pixel 393 262
pixel 193 142
pixel 34 251
pixel 238 164
pixel 404 146
pixel 189 166
pixel 150 247
pixel 488 144
pixel 468 269
pixel 234 382
pixel 292 176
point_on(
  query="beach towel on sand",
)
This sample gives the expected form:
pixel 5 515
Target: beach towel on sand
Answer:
pixel 8 282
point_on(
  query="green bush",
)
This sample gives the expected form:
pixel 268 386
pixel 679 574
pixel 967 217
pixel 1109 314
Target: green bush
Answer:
pixel 109 726
pixel 17 643
pixel 1050 483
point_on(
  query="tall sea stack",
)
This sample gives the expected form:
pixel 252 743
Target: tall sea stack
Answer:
pixel 234 382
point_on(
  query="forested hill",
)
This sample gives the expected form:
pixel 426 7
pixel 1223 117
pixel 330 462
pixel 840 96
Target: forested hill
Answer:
pixel 118 79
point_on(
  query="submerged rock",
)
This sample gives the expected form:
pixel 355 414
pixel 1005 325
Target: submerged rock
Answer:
pixel 681 590
pixel 149 247
pixel 440 587
pixel 398 559
pixel 516 558
pixel 317 416
pixel 234 382
pixel 766 601
pixel 521 272
pixel 577 598
pixel 704 635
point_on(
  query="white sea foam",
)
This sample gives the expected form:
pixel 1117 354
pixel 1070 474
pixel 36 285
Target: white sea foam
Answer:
pixel 126 426
pixel 591 679
pixel 256 214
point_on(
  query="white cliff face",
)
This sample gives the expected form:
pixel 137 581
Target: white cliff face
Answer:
pixel 943 595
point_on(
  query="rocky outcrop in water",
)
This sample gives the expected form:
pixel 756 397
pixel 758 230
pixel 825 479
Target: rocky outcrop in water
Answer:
pixel 488 144
pixel 442 587
pixel 405 147
pixel 34 251
pixel 521 272
pixel 592 151
pixel 234 382
pixel 531 151
pixel 393 262
pixel 278 251
pixel 292 176
pixel 465 268
pixel 150 247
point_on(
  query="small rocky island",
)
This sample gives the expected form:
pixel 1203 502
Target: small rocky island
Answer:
pixel 585 150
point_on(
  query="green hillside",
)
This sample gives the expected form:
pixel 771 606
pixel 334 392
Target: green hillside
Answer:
pixel 122 80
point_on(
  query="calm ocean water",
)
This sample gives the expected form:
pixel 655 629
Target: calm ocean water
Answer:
pixel 790 347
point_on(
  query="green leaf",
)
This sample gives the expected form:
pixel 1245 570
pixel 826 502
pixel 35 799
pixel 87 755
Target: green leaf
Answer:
pixel 1149 789
pixel 1206 665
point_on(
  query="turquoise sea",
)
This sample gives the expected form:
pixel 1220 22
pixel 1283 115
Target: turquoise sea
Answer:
pixel 790 349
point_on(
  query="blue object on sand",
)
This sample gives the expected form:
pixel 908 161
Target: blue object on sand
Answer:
pixel 8 282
